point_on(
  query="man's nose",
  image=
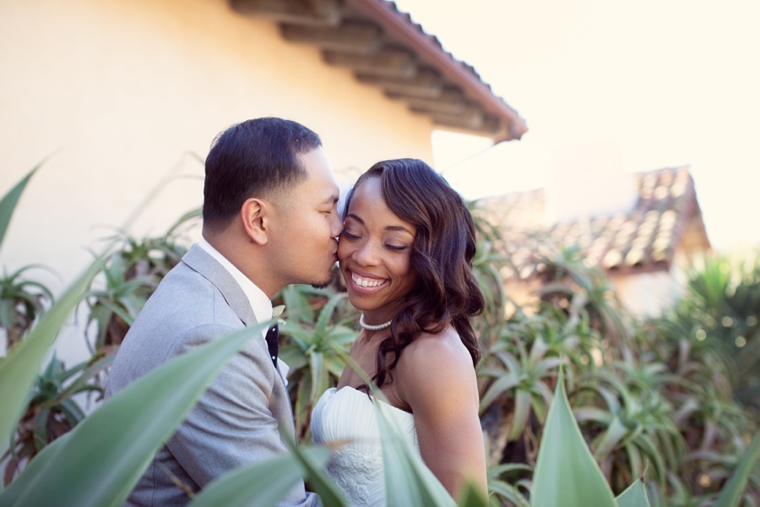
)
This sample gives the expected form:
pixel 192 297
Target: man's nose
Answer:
pixel 336 226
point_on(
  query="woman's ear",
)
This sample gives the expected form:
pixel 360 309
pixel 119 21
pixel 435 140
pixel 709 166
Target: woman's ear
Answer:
pixel 254 213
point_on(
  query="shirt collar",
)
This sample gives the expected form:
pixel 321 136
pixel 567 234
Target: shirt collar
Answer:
pixel 260 303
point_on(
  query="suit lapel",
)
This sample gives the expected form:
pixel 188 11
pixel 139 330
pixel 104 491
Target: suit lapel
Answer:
pixel 199 260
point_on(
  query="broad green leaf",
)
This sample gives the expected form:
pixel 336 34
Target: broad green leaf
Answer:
pixel 508 467
pixel 80 381
pixel 507 381
pixel 610 438
pixel 18 369
pixel 471 497
pixel 326 313
pixel 9 201
pixel 566 473
pixel 732 491
pixel 407 480
pixel 195 213
pixel 320 483
pixel 260 484
pixel 319 375
pixel 105 455
pixel 508 492
pixel 521 414
pixel 32 470
pixel 634 496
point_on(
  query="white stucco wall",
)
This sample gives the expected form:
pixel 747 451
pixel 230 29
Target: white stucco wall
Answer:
pixel 648 294
pixel 122 90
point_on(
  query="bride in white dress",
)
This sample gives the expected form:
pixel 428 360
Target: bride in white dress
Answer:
pixel 406 255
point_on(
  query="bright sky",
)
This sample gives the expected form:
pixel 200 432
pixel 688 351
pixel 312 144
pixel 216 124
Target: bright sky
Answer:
pixel 672 82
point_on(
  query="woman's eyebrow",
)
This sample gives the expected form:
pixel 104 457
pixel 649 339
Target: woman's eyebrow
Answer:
pixel 400 228
pixel 351 215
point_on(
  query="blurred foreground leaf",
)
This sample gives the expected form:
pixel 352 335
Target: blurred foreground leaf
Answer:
pixel 262 484
pixel 101 460
pixel 566 473
pixel 634 496
pixel 9 201
pixel 732 491
pixel 18 369
pixel 322 485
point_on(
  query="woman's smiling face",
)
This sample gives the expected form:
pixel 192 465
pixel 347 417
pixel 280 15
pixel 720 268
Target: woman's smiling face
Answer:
pixel 375 252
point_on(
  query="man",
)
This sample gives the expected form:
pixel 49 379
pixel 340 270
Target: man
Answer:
pixel 269 220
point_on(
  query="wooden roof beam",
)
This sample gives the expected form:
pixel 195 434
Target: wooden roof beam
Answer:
pixel 387 62
pixel 427 83
pixel 450 101
pixel 299 12
pixel 470 119
pixel 349 37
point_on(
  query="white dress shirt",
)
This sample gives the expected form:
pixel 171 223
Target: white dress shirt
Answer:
pixel 260 303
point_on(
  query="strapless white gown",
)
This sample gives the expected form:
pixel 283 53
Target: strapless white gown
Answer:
pixel 357 467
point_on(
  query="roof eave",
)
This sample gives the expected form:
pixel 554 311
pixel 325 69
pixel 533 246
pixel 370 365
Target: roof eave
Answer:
pixel 426 46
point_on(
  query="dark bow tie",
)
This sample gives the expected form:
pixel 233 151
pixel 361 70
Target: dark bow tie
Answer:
pixel 273 341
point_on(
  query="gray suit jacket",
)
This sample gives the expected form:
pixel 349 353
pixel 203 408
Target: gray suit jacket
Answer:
pixel 236 420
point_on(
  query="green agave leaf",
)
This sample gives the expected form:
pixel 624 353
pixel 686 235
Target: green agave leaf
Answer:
pixel 326 313
pixel 508 492
pixel 407 480
pixel 18 370
pixel 732 491
pixel 40 461
pixel 80 381
pixel 566 473
pixel 634 496
pixel 259 485
pixel 321 484
pixel 507 381
pixel 104 456
pixel 195 213
pixel 608 440
pixel 9 201
pixel 508 467
pixel 521 415
pixel 320 380
pixel 471 497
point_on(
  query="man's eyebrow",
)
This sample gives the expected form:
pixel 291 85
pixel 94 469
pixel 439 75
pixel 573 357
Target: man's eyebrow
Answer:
pixel 387 228
pixel 331 200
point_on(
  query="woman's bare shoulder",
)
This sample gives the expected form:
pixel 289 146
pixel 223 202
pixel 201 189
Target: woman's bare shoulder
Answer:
pixel 435 362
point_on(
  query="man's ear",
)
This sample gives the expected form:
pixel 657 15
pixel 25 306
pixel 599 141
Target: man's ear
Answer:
pixel 255 215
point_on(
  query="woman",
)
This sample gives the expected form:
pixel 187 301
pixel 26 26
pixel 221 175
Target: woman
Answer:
pixel 406 255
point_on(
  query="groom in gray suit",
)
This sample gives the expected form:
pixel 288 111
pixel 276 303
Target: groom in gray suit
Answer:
pixel 269 220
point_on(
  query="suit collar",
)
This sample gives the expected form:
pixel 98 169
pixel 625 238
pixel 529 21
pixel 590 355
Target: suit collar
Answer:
pixel 208 267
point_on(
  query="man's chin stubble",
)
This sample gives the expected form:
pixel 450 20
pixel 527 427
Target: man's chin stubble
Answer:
pixel 328 281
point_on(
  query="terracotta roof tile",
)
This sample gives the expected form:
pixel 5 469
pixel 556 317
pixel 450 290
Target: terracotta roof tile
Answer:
pixel 643 239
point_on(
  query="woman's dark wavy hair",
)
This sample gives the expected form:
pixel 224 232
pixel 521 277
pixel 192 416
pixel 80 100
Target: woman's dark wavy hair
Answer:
pixel 444 246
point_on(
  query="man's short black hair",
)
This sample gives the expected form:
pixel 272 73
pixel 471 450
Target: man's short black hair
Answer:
pixel 252 159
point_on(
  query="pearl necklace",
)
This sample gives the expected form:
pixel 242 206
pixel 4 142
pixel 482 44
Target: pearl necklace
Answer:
pixel 370 327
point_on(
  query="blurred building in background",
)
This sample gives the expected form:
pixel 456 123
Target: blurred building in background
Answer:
pixel 643 249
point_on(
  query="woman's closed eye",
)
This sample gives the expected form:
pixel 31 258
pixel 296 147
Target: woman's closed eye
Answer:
pixel 348 235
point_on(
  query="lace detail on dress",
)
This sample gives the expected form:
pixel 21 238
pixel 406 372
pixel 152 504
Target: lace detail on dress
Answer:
pixel 354 472
pixel 348 416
